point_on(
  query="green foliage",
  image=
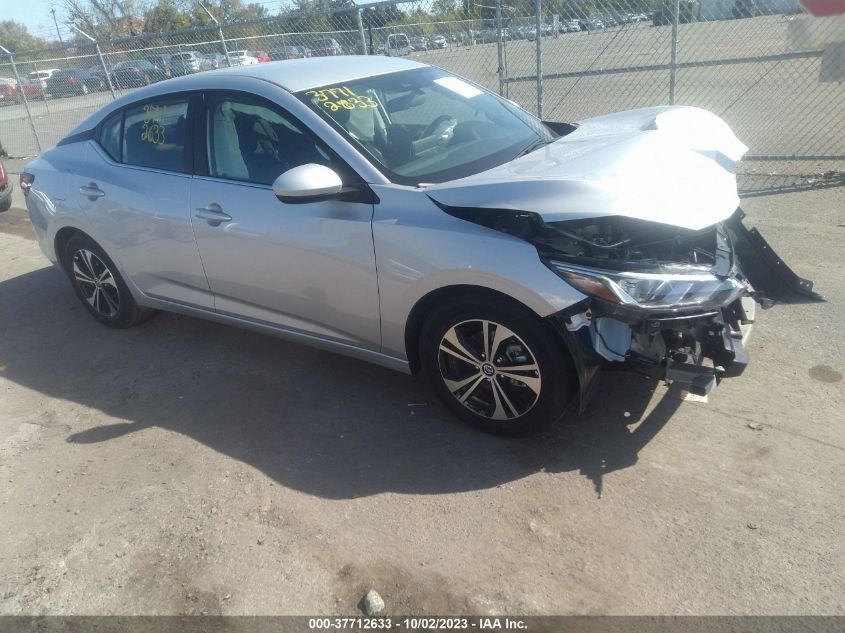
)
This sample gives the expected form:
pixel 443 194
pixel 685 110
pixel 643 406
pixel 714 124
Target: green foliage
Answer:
pixel 15 37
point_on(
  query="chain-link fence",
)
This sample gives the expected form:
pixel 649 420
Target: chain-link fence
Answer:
pixel 774 72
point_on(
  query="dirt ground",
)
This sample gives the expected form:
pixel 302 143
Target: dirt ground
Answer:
pixel 185 467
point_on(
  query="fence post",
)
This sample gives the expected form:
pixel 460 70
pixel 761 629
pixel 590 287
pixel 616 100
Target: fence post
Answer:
pixel 219 34
pixel 105 70
pixel 223 44
pixel 23 96
pixel 539 39
pixel 673 63
pixel 361 31
pixel 41 88
pixel 499 47
pixel 100 56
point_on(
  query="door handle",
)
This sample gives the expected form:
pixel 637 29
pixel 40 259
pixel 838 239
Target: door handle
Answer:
pixel 91 191
pixel 212 214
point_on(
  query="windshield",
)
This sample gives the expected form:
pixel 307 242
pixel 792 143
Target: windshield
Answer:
pixel 425 125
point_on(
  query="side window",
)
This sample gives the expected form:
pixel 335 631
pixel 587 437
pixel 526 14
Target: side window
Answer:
pixel 154 134
pixel 110 135
pixel 252 142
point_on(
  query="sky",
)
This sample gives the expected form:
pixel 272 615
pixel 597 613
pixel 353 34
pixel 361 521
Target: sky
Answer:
pixel 35 15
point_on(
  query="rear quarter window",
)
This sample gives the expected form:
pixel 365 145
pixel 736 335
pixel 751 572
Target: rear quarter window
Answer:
pixel 111 132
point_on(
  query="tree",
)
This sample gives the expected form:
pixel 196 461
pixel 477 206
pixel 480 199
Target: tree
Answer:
pixel 105 18
pixel 15 37
pixel 228 11
pixel 443 8
pixel 166 16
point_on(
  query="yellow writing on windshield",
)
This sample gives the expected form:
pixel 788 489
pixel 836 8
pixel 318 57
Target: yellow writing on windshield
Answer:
pixel 341 97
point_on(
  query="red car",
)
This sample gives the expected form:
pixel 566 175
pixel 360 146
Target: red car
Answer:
pixel 10 90
pixel 262 57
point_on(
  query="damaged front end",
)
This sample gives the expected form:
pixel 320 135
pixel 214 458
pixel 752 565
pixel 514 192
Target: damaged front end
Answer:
pixel 676 304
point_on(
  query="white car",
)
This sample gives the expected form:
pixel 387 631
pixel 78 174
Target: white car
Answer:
pixel 42 76
pixel 242 58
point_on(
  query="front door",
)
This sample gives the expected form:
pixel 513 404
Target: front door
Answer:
pixel 306 267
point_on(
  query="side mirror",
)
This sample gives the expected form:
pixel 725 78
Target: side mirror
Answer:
pixel 305 182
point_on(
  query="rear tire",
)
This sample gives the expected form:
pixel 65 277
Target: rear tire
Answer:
pixel 518 382
pixel 98 284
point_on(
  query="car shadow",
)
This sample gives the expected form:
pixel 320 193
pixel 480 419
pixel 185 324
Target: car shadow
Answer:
pixel 313 421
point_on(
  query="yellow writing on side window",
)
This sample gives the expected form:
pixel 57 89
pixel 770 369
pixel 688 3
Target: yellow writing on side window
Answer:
pixel 341 97
pixel 152 130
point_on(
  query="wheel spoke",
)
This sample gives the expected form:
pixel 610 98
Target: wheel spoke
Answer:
pixel 107 279
pixel 94 298
pixel 80 275
pixel 504 408
pixel 532 382
pixel 529 367
pixel 473 386
pixel 460 351
pixel 485 332
pixel 89 263
pixel 456 385
pixel 502 334
pixel 111 302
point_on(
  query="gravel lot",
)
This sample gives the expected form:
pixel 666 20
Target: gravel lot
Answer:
pixel 185 467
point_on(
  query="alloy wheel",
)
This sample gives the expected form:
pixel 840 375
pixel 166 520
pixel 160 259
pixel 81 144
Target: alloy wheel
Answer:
pixel 96 283
pixel 489 369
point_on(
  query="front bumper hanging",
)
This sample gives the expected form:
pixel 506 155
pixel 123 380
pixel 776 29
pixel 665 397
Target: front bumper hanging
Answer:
pixel 695 351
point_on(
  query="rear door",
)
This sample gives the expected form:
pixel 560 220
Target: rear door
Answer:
pixel 134 189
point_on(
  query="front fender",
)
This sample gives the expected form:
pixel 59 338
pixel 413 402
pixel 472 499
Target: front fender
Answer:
pixel 421 249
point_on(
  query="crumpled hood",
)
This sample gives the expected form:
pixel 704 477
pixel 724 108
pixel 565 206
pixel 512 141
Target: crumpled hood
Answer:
pixel 672 164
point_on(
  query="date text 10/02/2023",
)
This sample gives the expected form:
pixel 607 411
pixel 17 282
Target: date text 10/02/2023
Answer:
pixel 418 623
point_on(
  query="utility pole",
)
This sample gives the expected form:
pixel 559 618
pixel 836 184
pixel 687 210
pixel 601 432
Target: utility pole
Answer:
pixel 56 22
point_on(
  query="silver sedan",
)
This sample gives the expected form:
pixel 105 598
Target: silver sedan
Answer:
pixel 392 211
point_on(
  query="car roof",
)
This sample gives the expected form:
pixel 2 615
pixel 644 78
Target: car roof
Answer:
pixel 301 74
pixel 292 75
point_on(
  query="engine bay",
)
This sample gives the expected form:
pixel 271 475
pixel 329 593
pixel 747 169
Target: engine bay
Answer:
pixel 615 242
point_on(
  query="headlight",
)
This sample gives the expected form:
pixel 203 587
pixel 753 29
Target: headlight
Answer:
pixel 652 291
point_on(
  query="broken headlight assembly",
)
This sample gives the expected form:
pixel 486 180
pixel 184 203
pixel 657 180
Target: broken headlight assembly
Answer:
pixel 652 291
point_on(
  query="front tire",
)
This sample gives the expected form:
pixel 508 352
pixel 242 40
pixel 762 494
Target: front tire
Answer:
pixel 98 284
pixel 495 366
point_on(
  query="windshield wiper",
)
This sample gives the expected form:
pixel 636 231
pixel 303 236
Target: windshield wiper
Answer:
pixel 533 146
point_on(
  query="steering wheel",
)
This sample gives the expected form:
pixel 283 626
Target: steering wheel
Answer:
pixel 443 126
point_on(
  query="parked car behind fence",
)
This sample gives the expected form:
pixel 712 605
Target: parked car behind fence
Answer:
pixel 326 47
pixel 136 73
pixel 69 82
pixel 185 63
